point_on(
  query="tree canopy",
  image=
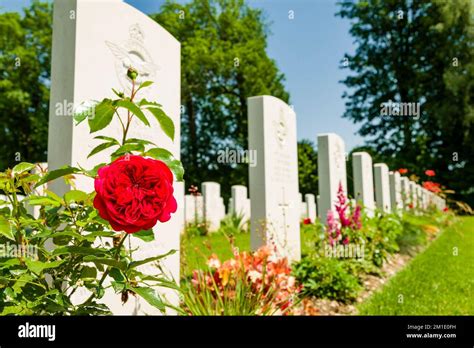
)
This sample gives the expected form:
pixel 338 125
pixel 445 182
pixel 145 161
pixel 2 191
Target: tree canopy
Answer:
pixel 224 61
pixel 25 58
pixel 415 52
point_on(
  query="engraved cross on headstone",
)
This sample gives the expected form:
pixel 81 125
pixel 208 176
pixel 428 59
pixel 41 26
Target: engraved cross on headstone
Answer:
pixel 284 205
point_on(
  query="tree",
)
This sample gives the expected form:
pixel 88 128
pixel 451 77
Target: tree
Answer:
pixel 307 167
pixel 224 61
pixel 415 52
pixel 25 53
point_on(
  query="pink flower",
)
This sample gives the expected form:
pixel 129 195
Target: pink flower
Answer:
pixel 356 218
pixel 347 220
pixel 214 261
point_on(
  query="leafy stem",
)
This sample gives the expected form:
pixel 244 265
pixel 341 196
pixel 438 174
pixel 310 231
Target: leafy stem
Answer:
pixel 107 271
pixel 129 114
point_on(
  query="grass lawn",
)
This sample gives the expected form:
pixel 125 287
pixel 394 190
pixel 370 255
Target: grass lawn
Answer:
pixel 436 282
pixel 195 250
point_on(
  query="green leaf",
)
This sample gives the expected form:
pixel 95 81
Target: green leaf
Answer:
pixel 164 155
pixel 84 110
pixel 75 196
pixel 71 249
pixel 42 200
pixel 150 296
pixel 31 178
pixel 91 236
pixel 177 168
pixel 53 196
pixel 38 267
pixel 150 259
pixel 100 148
pixel 128 148
pixel 54 174
pixel 5 228
pixel 93 172
pixel 139 141
pixel 88 272
pixel 22 167
pixel 166 123
pixel 117 275
pixel 145 235
pixel 145 102
pixel 127 104
pixel 118 94
pixel 103 114
pixel 144 84
pixel 105 261
pixel 9 263
pixel 108 139
pixel 160 154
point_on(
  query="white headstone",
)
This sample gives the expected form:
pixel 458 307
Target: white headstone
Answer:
pixel 363 181
pixel 194 208
pixel 405 189
pixel 211 192
pixel 395 191
pixel 419 198
pixel 310 206
pixel 318 204
pixel 382 188
pixel 90 54
pixel 274 180
pixel 331 171
pixel 240 201
pixel 412 198
pixel 221 209
pixel 303 211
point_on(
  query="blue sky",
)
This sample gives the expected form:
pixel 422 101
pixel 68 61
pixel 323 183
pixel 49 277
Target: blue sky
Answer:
pixel 307 49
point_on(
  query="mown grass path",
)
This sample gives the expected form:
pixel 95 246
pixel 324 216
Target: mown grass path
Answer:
pixel 439 281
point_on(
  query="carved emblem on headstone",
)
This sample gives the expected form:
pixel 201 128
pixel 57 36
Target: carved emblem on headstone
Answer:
pixel 132 53
pixel 281 128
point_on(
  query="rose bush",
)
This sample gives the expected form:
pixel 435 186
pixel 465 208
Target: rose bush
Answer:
pixel 134 192
pixel 68 247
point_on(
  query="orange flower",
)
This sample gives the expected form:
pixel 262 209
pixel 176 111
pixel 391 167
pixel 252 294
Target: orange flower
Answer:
pixel 403 170
pixel 267 273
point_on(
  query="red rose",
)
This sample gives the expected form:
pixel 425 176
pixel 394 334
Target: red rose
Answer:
pixel 134 192
pixel 403 170
pixel 307 221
